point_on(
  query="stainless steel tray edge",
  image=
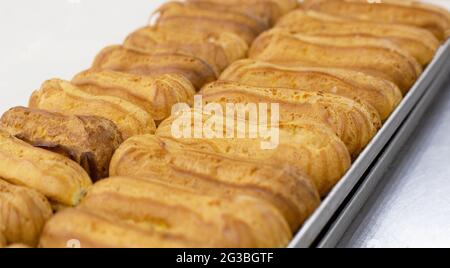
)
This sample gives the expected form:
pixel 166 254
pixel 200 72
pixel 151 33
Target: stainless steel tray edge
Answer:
pixel 310 231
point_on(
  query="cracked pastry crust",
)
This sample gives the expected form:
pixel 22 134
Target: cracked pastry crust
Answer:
pixel 62 96
pixel 53 175
pixel 155 94
pixel 427 16
pixel 217 49
pixel 353 122
pixel 120 59
pixel 305 144
pixel 381 94
pixel 290 191
pixel 141 212
pixel 418 42
pixel 23 213
pixel 374 55
pixel 88 140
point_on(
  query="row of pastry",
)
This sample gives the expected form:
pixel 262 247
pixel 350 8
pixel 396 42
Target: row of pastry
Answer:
pixel 337 69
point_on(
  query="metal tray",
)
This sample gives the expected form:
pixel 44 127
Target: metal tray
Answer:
pixel 327 224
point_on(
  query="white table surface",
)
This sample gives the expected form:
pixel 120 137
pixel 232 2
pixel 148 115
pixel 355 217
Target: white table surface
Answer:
pixel 43 39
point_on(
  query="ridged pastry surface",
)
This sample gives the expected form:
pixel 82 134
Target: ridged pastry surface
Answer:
pixel 381 94
pixel 217 49
pixel 62 96
pixel 169 216
pixel 311 147
pixel 155 94
pixel 170 161
pixel 418 42
pixel 53 175
pixel 373 55
pixel 88 140
pixel 427 16
pixel 23 213
pixel 353 122
pixel 120 59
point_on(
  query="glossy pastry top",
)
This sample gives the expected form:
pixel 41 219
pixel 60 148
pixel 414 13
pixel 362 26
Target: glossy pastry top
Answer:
pixel 53 175
pixel 155 94
pixel 62 96
pixel 23 213
pixel 88 140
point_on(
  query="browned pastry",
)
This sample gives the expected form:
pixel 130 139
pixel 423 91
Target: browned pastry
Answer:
pixel 135 212
pixel 62 96
pixel 88 140
pixel 155 94
pixel 267 10
pixel 23 213
pixel 311 147
pixel 353 121
pixel 408 12
pixel 376 56
pixel 217 49
pixel 420 43
pixel 382 94
pixel 167 160
pixel 18 246
pixel 189 17
pixel 120 59
pixel 53 175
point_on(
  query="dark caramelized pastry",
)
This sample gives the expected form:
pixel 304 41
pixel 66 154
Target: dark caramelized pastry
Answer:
pixel 120 59
pixel 23 213
pixel 88 140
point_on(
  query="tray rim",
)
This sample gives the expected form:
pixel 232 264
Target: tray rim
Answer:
pixel 316 223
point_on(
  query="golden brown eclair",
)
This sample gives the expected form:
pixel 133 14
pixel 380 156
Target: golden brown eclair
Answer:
pixel 311 147
pixel 418 42
pixel 165 159
pixel 353 121
pixel 382 94
pixel 53 175
pixel 374 55
pixel 427 16
pixel 155 94
pixel 191 17
pixel 166 216
pixel 217 49
pixel 120 59
pixel 267 10
pixel 88 140
pixel 62 96
pixel 23 213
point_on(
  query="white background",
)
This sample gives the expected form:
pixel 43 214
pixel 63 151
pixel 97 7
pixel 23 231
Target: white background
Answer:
pixel 43 39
